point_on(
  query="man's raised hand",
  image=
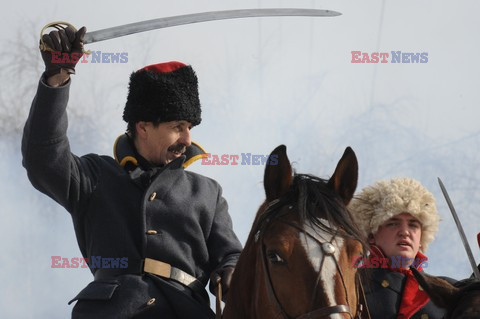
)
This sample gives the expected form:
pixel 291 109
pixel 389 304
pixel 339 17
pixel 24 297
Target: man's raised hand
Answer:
pixel 62 49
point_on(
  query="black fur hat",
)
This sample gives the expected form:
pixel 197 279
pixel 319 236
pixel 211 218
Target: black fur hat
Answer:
pixel 163 92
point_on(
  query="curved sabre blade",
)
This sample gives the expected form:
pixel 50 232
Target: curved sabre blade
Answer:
pixel 120 31
pixel 460 230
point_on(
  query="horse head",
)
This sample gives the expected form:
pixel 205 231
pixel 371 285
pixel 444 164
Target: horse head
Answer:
pixel 297 261
pixel 461 301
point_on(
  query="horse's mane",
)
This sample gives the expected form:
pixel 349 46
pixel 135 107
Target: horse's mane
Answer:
pixel 468 285
pixel 317 202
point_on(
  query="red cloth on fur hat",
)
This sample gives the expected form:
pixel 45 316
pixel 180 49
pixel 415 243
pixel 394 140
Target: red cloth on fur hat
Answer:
pixel 165 67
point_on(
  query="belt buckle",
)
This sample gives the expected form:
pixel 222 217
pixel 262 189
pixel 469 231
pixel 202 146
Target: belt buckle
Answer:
pixel 157 268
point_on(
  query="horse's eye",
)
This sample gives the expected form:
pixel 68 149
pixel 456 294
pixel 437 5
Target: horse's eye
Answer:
pixel 275 258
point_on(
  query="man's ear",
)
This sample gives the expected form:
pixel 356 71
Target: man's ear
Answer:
pixel 141 129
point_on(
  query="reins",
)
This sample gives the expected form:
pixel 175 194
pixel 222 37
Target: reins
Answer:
pixel 218 311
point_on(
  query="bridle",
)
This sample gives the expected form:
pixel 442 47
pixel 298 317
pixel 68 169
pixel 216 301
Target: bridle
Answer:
pixel 328 249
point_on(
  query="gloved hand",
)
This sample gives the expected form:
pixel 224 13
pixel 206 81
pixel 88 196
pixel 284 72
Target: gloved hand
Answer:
pixel 225 276
pixel 61 42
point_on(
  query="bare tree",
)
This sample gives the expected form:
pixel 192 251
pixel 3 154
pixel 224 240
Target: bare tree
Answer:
pixel 21 66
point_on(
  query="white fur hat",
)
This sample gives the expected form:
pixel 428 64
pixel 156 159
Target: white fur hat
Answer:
pixel 378 203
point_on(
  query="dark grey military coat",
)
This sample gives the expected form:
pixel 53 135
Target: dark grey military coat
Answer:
pixel 170 215
pixel 383 289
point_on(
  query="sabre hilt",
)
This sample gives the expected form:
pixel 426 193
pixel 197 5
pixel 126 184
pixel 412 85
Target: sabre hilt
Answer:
pixel 59 25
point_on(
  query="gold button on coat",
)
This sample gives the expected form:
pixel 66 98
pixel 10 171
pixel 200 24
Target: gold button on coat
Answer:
pixel 424 316
pixel 385 283
pixel 152 197
pixel 420 288
pixel 151 232
pixel 151 302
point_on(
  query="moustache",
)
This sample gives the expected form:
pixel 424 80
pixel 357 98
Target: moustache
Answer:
pixel 179 148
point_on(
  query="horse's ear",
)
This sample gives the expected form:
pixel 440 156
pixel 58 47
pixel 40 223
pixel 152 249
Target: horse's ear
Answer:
pixel 344 180
pixel 278 174
pixel 442 293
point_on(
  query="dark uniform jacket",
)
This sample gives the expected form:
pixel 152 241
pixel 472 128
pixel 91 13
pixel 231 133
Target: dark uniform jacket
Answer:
pixel 167 214
pixel 394 293
pixel 384 289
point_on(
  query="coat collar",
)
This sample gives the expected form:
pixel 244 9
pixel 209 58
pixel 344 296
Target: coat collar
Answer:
pixel 126 155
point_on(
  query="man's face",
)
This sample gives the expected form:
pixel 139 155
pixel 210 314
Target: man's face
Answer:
pixel 162 144
pixel 399 236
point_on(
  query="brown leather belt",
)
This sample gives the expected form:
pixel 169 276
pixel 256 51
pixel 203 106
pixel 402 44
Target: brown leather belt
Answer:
pixel 155 267
pixel 165 270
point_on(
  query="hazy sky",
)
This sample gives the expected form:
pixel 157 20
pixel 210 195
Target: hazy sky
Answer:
pixel 263 82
